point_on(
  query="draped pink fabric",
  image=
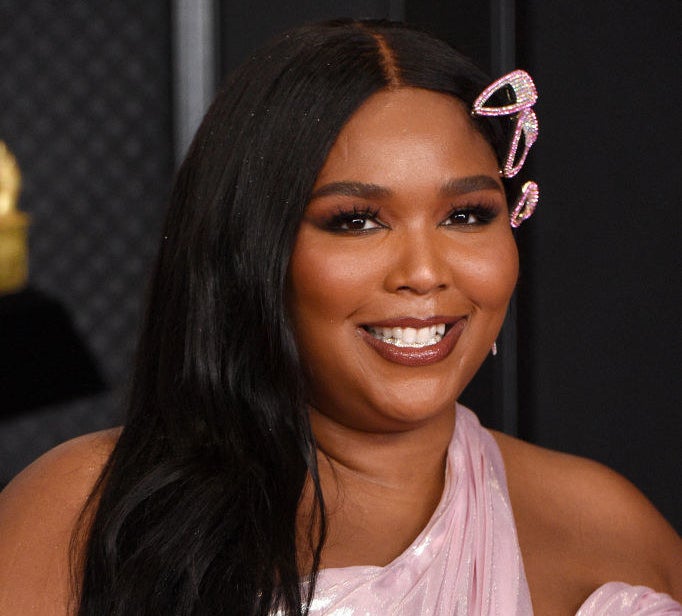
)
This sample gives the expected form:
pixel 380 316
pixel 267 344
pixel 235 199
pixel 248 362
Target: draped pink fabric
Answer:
pixel 467 560
pixel 619 599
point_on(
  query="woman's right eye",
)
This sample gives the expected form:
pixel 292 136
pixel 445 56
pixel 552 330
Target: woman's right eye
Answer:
pixel 354 221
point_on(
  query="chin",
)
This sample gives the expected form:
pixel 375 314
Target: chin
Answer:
pixel 414 406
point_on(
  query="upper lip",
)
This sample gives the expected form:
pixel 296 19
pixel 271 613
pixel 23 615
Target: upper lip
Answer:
pixel 414 322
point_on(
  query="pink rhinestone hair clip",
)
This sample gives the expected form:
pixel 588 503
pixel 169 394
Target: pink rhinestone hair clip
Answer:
pixel 525 205
pixel 519 90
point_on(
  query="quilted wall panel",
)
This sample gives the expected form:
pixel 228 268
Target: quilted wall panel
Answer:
pixel 85 105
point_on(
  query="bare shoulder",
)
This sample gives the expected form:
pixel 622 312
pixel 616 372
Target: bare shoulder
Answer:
pixel 38 513
pixel 580 520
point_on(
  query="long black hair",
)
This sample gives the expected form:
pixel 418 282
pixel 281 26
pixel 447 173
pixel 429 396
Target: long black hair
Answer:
pixel 195 512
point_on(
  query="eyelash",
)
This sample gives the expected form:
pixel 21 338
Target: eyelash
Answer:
pixel 343 218
pixel 341 221
pixel 484 214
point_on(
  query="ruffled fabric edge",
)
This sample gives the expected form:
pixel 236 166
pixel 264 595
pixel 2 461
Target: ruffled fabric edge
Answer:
pixel 620 599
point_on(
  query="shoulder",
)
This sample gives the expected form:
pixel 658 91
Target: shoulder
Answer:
pixel 38 513
pixel 579 520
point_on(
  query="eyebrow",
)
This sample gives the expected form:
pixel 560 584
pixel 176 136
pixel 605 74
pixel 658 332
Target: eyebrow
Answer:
pixel 451 188
pixel 352 189
pixel 471 183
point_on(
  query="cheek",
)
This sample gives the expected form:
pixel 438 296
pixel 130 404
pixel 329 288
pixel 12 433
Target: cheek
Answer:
pixel 330 279
pixel 320 283
pixel 488 275
pixel 323 291
pixel 325 286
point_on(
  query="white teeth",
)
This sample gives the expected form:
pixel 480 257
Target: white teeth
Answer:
pixel 409 336
pixel 423 335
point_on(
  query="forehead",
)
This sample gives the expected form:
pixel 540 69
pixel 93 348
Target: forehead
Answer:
pixel 403 132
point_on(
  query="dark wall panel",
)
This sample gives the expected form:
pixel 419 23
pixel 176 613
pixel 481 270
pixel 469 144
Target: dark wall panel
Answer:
pixel 601 359
pixel 465 24
pixel 248 25
pixel 85 105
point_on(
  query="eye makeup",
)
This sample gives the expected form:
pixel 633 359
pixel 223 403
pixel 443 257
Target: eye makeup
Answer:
pixel 355 219
pixel 476 214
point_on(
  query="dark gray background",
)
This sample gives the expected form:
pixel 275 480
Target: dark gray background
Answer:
pixel 85 106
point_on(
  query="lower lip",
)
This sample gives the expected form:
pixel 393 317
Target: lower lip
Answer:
pixel 422 356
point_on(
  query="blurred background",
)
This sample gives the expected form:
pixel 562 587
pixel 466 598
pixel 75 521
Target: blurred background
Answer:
pixel 98 102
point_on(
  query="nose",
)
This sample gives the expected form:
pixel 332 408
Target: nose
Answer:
pixel 419 264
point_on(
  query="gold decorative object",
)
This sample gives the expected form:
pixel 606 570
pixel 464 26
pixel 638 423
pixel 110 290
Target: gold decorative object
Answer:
pixel 13 226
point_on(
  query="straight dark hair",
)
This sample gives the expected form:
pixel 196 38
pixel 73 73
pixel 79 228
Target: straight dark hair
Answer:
pixel 195 512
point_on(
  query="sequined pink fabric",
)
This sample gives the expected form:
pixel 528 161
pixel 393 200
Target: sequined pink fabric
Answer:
pixel 467 560
pixel 618 599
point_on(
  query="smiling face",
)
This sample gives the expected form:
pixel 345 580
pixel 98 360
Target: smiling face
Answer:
pixel 403 265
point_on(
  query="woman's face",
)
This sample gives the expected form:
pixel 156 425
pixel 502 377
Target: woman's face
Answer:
pixel 403 265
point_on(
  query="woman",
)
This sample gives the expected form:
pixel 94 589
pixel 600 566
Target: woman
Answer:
pixel 336 264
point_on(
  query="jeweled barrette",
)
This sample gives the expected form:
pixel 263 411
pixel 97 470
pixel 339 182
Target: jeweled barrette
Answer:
pixel 525 205
pixel 517 83
pixel 518 94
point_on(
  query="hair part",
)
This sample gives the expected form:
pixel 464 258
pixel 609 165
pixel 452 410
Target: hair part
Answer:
pixel 388 63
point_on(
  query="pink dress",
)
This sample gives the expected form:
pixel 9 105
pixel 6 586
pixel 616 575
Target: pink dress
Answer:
pixel 467 560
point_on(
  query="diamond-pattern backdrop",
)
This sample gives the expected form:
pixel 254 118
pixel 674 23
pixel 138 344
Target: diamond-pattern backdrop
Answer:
pixel 85 106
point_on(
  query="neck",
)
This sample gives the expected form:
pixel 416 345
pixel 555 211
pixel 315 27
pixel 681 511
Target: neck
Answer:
pixel 380 489
pixel 393 460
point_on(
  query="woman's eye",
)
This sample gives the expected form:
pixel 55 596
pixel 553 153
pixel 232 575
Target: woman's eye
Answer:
pixel 358 223
pixel 469 216
pixel 354 221
pixel 462 218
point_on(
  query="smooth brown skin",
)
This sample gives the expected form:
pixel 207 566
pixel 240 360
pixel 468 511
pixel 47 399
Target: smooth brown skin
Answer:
pixel 38 511
pixel 383 428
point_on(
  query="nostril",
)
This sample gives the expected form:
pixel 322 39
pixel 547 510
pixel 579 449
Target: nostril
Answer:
pixel 421 287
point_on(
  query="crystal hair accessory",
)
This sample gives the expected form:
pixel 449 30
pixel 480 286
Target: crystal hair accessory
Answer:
pixel 526 124
pixel 518 94
pixel 521 85
pixel 525 205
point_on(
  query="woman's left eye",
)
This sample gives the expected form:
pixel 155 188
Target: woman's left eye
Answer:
pixel 470 216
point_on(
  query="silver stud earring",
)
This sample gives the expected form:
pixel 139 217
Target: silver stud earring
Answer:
pixel 494 349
